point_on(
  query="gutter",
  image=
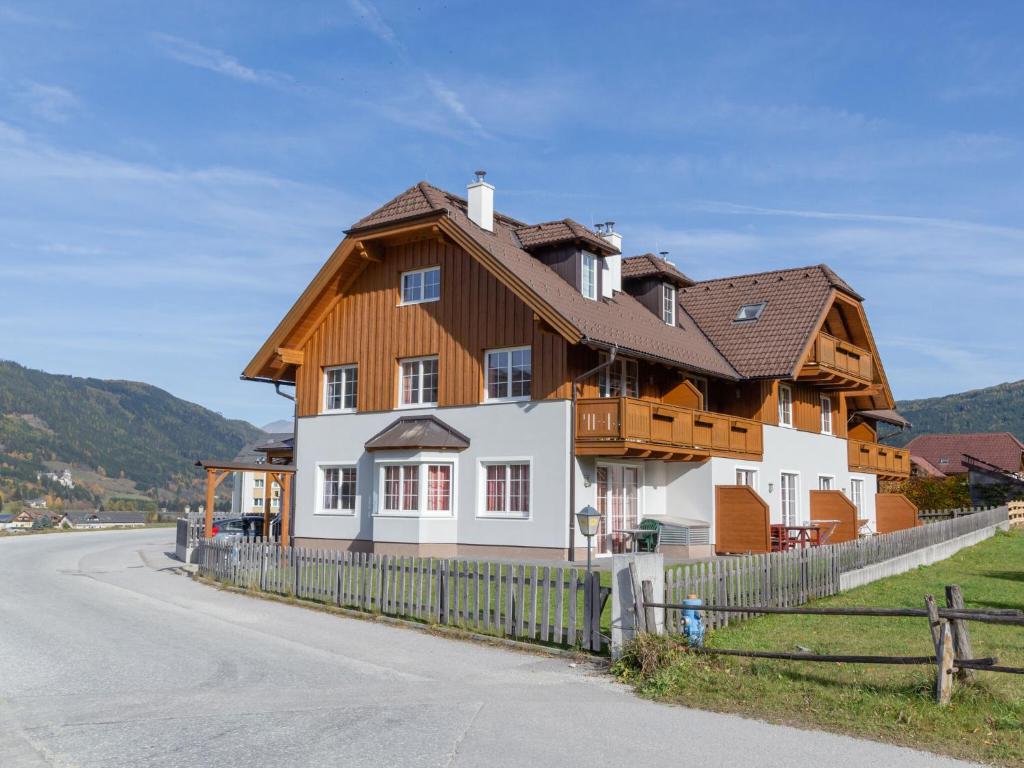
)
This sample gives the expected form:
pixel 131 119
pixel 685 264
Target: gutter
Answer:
pixel 572 443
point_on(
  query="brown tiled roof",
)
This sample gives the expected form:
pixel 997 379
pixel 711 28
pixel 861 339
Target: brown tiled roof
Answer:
pixel 419 200
pixel 770 346
pixel 925 467
pixel 419 432
pixel 564 231
pixel 648 265
pixel 946 452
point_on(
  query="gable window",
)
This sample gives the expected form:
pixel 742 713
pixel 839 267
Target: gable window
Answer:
pixel 826 415
pixel 341 388
pixel 508 374
pixel 588 276
pixel 789 488
pixel 668 303
pixel 620 379
pixel 506 490
pixel 417 489
pixel 421 285
pixel 785 406
pixel 338 489
pixel 418 384
pixel 749 312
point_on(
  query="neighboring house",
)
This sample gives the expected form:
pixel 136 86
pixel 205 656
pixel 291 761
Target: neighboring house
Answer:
pixel 992 461
pixel 39 503
pixel 24 519
pixel 5 520
pixel 63 478
pixel 80 520
pixel 465 382
pixel 249 491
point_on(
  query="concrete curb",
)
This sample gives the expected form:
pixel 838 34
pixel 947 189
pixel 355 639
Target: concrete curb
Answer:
pixel 911 560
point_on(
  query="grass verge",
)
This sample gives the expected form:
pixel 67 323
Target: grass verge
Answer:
pixel 985 721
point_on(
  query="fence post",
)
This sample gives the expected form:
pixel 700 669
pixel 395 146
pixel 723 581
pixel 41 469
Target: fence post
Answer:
pixel 625 622
pixel 961 636
pixel 442 590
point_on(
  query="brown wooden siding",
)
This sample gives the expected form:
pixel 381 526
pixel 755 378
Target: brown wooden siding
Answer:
pixel 475 313
pixel 742 522
pixel 894 512
pixel 827 506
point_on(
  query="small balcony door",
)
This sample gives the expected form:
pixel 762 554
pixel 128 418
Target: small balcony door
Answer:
pixel 618 502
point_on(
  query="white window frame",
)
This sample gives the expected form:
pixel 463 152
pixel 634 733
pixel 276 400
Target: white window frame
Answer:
pixel 423 463
pixel 481 508
pixel 619 366
pixel 826 415
pixel 796 496
pixel 346 371
pixel 403 302
pixel 258 482
pixel 668 302
pixel 831 481
pixel 857 486
pixel 789 402
pixel 321 469
pixel 419 394
pixel 508 398
pixel 755 473
pixel 588 263
pixel 257 501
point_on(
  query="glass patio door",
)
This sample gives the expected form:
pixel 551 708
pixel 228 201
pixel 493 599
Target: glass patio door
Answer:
pixel 618 503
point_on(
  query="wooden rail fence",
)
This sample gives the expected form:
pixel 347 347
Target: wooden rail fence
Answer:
pixel 536 603
pixel 785 579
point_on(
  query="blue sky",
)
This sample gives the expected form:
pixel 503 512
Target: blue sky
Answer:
pixel 172 176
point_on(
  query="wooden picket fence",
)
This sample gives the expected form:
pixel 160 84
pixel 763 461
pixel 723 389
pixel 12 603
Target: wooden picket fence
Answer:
pixel 559 606
pixel 787 579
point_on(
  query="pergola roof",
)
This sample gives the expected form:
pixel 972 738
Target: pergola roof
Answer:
pixel 245 466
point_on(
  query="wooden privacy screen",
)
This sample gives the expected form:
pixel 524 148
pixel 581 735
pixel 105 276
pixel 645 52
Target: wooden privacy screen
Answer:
pixel 833 505
pixel 894 512
pixel 742 522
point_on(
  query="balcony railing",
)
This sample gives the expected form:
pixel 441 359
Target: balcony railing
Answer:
pixel 839 363
pixel 628 426
pixel 882 460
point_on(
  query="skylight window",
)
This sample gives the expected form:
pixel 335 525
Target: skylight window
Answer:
pixel 749 312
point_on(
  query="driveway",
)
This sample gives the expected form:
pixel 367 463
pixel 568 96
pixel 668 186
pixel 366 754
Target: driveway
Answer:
pixel 110 657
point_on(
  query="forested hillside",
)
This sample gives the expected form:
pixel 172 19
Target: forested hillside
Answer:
pixel 993 409
pixel 116 429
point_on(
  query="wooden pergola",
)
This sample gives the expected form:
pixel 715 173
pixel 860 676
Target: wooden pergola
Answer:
pixel 281 474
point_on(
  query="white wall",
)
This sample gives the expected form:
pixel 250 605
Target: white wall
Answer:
pixel 537 430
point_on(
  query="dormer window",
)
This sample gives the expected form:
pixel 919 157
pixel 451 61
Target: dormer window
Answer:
pixel 668 303
pixel 750 312
pixel 588 276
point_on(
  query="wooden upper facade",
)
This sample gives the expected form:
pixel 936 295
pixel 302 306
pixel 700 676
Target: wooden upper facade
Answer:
pixel 356 315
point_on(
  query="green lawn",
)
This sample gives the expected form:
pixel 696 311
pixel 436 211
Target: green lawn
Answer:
pixel 984 722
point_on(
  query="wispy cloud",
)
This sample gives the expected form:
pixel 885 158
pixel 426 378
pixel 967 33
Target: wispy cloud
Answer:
pixel 49 102
pixel 443 93
pixel 202 57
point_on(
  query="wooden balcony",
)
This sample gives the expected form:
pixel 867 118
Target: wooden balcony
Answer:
pixel 837 364
pixel 883 460
pixel 629 427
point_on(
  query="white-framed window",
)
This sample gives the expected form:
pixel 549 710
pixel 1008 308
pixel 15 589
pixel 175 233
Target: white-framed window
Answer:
pixel 338 488
pixel 258 482
pixel 275 502
pixel 418 382
pixel 668 303
pixel 508 374
pixel 785 405
pixel 505 490
pixel 417 489
pixel 789 489
pixel 857 493
pixel 421 285
pixel 620 379
pixel 257 501
pixel 826 415
pixel 588 276
pixel 746 476
pixel 826 482
pixel 341 388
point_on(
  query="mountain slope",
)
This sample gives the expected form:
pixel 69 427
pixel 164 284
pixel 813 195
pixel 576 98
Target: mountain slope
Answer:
pixel 127 428
pixel 993 409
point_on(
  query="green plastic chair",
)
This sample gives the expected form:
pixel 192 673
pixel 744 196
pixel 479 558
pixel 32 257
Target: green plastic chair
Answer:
pixel 648 541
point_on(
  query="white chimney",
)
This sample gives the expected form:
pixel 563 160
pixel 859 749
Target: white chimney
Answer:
pixel 480 195
pixel 614 275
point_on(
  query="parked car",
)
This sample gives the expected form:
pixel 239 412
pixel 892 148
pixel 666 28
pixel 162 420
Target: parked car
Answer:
pixel 245 527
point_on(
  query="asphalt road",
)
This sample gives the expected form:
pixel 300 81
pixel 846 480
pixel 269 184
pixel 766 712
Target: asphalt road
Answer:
pixel 110 657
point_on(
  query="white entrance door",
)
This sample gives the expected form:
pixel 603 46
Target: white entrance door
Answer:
pixel 618 502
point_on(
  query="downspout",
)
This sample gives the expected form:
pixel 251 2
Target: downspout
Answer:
pixel 572 445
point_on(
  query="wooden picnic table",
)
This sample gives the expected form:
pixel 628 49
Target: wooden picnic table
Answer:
pixel 786 537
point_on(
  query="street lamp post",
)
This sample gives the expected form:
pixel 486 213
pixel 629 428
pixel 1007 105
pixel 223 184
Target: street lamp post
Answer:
pixel 588 519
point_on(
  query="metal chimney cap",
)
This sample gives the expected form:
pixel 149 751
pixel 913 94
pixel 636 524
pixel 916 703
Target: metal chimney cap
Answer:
pixel 663 254
pixel 480 175
pixel 610 226
pixel 600 228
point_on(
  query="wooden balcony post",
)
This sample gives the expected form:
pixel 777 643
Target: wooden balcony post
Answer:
pixel 210 488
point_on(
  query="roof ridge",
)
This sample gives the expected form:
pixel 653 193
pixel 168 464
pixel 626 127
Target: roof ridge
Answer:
pixel 758 274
